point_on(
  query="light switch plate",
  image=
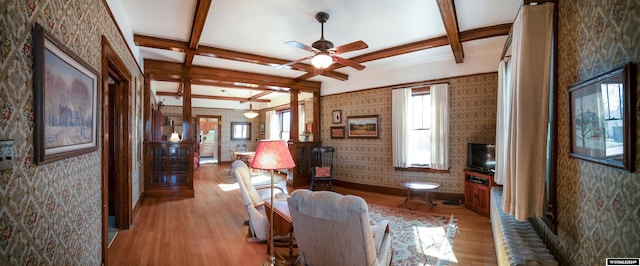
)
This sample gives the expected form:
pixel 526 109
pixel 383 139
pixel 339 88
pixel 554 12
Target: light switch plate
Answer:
pixel 6 154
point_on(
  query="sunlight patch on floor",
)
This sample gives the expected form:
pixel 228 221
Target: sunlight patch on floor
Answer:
pixel 427 236
pixel 228 187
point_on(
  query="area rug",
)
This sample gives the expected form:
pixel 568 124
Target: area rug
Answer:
pixel 417 238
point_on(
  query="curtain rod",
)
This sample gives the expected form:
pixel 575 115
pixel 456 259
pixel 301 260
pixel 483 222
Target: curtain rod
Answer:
pixel 418 85
pixel 507 43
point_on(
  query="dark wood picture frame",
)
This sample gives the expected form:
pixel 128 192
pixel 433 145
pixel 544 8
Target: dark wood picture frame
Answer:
pixel 336 116
pixel 602 124
pixel 337 133
pixel 65 99
pixel 363 126
pixel 240 130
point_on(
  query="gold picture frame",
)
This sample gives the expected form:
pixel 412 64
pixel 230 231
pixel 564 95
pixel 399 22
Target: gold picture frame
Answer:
pixel 363 126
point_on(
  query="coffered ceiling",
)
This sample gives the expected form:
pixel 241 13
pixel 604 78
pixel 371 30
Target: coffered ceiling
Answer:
pixel 231 49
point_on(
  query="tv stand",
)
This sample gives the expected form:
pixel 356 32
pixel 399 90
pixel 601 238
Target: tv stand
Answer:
pixel 477 186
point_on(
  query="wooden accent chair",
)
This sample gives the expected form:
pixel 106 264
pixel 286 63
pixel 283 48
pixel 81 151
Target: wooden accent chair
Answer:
pixel 241 147
pixel 332 229
pixel 322 166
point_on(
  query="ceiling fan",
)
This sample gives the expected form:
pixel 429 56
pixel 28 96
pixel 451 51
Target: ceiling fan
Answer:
pixel 324 54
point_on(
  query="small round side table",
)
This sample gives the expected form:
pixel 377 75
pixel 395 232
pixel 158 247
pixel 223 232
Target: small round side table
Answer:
pixel 418 193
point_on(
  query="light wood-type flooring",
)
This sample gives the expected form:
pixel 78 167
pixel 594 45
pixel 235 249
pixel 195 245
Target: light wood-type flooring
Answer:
pixel 208 229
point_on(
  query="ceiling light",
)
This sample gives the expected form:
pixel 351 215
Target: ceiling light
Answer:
pixel 250 114
pixel 321 60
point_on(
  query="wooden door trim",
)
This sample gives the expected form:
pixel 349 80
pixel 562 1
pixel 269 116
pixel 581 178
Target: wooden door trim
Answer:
pixel 114 66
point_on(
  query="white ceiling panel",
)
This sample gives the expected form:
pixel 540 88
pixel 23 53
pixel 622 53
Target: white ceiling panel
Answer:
pixel 262 27
pixel 165 18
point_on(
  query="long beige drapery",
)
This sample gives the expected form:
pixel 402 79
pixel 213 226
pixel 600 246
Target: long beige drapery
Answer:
pixel 523 136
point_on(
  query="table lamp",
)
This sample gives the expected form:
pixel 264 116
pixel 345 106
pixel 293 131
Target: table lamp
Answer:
pixel 272 155
pixel 174 137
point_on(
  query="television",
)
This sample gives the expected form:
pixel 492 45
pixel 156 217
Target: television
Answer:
pixel 481 157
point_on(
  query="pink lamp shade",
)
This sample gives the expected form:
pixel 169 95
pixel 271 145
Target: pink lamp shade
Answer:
pixel 272 155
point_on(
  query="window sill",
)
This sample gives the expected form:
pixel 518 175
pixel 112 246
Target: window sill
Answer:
pixel 421 169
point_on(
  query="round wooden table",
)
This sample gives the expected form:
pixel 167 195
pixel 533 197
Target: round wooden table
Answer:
pixel 418 193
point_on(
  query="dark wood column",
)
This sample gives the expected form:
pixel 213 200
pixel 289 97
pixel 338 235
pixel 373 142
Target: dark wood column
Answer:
pixel 294 132
pixel 300 175
pixel 187 120
pixel 316 117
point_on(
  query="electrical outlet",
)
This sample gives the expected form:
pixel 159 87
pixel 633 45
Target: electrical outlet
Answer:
pixel 6 154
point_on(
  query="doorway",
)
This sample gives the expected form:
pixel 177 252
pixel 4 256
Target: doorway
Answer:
pixel 116 146
pixel 208 136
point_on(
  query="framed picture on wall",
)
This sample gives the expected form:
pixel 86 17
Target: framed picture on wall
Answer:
pixel 601 118
pixel 261 128
pixel 364 126
pixel 336 116
pixel 65 92
pixel 337 132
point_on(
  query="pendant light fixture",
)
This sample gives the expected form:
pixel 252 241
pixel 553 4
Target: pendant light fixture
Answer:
pixel 250 114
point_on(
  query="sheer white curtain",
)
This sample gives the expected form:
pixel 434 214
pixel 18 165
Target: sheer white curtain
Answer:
pixel 271 126
pixel 400 117
pixel 526 134
pixel 440 126
pixel 503 115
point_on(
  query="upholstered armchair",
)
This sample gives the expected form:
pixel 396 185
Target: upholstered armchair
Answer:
pixel 332 229
pixel 253 198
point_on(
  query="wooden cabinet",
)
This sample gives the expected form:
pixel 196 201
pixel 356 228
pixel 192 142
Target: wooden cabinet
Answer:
pixel 300 175
pixel 169 169
pixel 207 149
pixel 477 187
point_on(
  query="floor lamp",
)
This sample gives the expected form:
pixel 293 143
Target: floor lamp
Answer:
pixel 272 155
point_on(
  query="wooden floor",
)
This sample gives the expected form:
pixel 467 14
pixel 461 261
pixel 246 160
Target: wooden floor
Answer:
pixel 209 230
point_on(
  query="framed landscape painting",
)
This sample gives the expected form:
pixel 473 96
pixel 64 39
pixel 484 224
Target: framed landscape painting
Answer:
pixel 364 126
pixel 65 90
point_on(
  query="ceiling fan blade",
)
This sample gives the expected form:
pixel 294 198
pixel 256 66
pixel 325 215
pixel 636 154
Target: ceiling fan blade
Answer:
pixel 301 46
pixel 347 62
pixel 351 47
pixel 294 62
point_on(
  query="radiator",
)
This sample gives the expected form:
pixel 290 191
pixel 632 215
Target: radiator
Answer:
pixel 517 243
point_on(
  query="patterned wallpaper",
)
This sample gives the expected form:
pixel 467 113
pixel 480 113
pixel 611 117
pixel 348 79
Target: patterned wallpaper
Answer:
pixel 599 207
pixel 473 101
pixel 50 214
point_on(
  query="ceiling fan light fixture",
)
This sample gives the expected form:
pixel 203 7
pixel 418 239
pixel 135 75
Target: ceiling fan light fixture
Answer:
pixel 321 60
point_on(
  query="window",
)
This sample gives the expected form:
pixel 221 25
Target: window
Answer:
pixel 285 125
pixel 420 130
pixel 240 131
pixel 421 127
